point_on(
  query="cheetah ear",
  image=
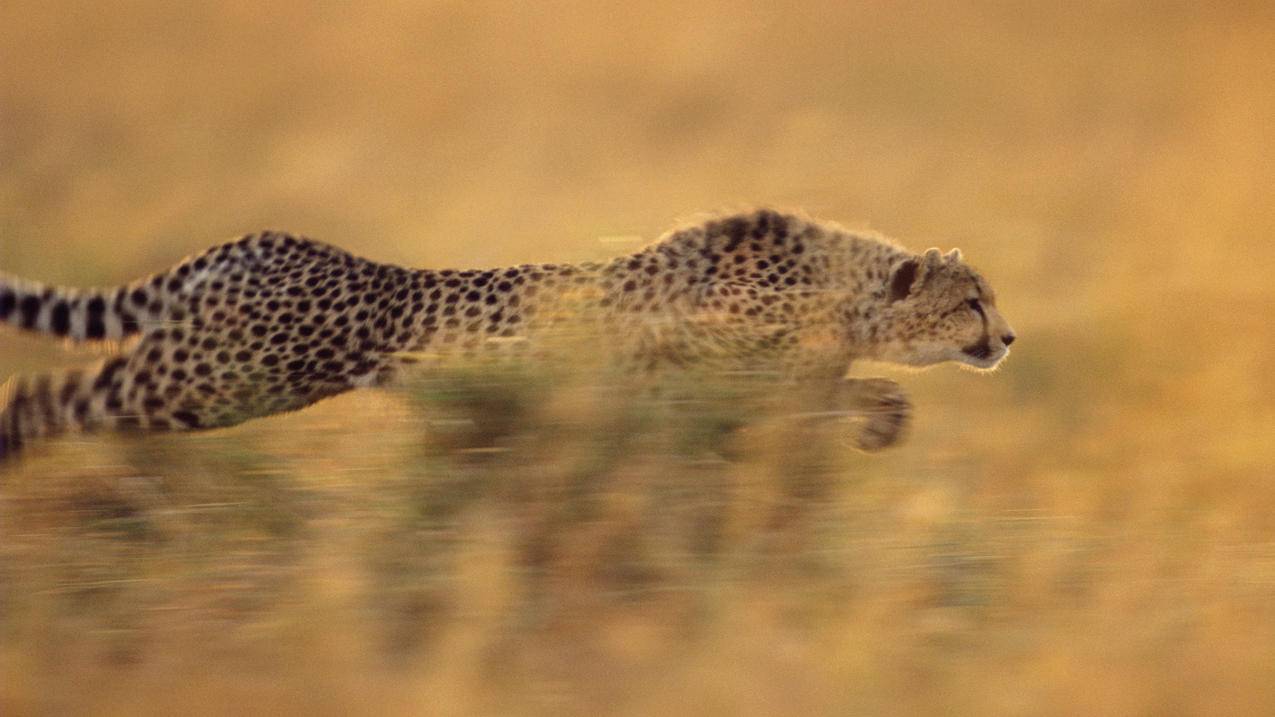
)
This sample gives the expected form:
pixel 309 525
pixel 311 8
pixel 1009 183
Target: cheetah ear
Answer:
pixel 954 256
pixel 902 277
pixel 931 261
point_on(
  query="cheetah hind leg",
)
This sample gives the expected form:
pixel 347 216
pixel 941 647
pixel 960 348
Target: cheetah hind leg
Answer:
pixel 39 406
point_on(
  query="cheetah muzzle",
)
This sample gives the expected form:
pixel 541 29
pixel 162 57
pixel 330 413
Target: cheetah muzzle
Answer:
pixel 274 322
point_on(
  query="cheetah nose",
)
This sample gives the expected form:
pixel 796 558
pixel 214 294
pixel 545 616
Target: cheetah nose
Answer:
pixel 1008 338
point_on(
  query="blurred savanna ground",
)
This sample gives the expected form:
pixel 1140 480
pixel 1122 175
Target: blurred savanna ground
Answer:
pixel 1090 530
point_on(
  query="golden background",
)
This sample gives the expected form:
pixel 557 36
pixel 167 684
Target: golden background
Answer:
pixel 1090 530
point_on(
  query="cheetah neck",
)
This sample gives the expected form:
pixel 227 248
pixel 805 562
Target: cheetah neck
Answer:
pixel 864 262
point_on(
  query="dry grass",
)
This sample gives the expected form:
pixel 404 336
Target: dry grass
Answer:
pixel 1089 531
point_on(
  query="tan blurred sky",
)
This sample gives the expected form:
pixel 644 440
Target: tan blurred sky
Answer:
pixel 483 131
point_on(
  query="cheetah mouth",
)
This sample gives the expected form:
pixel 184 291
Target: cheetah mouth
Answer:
pixel 982 355
pixel 980 351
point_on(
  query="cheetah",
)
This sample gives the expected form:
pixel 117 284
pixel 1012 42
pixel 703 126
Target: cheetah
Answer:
pixel 273 322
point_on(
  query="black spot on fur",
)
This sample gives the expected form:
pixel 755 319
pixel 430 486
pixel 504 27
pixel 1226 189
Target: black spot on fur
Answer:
pixel 7 302
pixel 30 308
pixel 130 323
pixel 94 326
pixel 61 320
pixel 762 225
pixel 109 369
pixel 736 229
pixel 67 393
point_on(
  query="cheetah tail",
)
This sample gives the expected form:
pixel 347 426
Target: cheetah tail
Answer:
pixel 76 314
pixel 47 404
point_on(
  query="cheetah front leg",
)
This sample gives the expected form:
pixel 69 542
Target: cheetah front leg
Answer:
pixel 877 409
pixel 880 406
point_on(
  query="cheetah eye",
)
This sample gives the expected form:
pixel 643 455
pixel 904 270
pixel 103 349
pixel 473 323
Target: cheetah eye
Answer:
pixel 976 305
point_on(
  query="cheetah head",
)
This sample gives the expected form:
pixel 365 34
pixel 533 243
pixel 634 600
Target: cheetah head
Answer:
pixel 937 308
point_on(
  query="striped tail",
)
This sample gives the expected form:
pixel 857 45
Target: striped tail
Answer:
pixel 120 312
pixel 80 315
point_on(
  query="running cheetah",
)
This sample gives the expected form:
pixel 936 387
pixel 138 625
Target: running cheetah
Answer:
pixel 274 322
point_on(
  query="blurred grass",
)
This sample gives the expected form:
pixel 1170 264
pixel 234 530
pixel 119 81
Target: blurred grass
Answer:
pixel 1090 530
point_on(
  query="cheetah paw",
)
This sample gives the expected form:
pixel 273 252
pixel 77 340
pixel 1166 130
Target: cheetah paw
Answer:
pixel 885 411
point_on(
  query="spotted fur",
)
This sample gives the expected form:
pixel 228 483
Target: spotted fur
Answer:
pixel 274 322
